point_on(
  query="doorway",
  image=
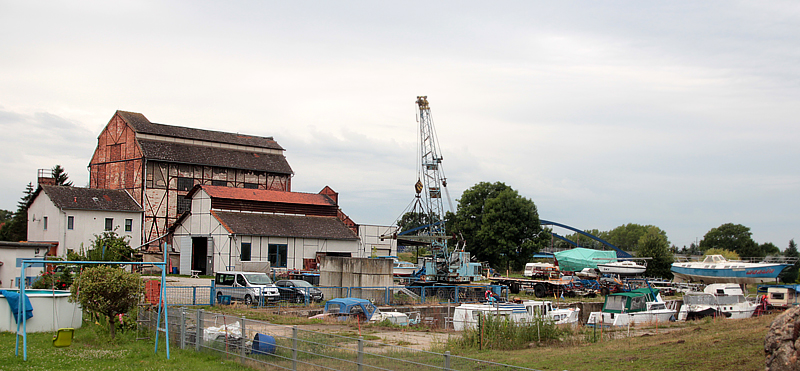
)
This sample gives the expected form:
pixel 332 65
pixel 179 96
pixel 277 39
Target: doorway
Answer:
pixel 200 254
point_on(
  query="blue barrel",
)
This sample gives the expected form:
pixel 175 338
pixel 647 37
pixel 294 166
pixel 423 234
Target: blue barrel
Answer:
pixel 263 344
pixel 174 270
pixel 224 299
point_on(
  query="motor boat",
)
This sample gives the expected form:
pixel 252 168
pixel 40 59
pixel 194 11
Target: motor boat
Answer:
pixel 466 316
pixel 546 310
pixel 403 268
pixel 624 267
pixel 717 269
pixel 638 306
pixel 717 300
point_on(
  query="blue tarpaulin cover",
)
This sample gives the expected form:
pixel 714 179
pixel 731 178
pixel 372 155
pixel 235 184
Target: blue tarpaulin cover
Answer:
pixel 13 301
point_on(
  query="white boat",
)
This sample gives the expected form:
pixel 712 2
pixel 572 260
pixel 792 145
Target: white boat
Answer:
pixel 717 269
pixel 716 300
pixel 466 316
pixel 624 267
pixel 639 306
pixel 403 268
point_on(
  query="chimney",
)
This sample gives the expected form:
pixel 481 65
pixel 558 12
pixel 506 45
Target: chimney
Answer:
pixel 46 177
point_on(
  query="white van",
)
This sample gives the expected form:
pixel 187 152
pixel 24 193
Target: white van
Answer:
pixel 249 287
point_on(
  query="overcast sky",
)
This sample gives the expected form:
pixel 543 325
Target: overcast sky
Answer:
pixel 683 115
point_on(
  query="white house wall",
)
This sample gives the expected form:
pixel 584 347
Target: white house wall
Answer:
pixel 371 240
pixel 87 224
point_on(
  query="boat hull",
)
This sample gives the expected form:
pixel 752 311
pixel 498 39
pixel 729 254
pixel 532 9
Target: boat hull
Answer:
pixel 618 269
pixel 748 275
pixel 624 319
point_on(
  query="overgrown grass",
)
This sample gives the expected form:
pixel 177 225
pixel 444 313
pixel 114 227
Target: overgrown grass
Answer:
pixel 498 333
pixel 93 349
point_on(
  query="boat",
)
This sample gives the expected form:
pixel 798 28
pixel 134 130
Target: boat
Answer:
pixel 624 267
pixel 404 268
pixel 363 310
pixel 716 300
pixel 717 269
pixel 638 306
pixel 466 316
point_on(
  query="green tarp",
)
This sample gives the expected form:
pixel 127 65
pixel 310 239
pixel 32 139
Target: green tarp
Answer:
pixel 577 259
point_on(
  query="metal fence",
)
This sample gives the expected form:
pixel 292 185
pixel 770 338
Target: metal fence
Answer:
pixel 268 346
pixel 386 295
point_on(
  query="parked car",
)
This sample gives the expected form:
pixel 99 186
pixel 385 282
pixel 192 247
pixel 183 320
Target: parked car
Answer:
pixel 298 291
pixel 249 287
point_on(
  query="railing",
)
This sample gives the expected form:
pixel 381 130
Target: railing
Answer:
pixel 265 345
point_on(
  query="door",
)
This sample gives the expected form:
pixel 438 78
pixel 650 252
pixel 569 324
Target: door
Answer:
pixel 199 254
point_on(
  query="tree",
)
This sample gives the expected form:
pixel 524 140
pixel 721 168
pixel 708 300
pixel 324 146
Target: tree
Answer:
pixel 6 216
pixel 789 275
pixel 769 249
pixel 654 244
pixel 733 237
pixel 110 247
pixel 107 291
pixel 499 226
pixel 61 177
pixel 17 228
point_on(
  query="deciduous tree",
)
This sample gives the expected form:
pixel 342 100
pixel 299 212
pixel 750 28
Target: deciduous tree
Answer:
pixel 109 246
pixel 654 244
pixel 733 237
pixel 107 291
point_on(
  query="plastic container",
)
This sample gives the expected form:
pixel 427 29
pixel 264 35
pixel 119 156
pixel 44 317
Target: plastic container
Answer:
pixel 224 299
pixel 263 344
pixel 174 270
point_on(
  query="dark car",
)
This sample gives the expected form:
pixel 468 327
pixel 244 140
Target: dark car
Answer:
pixel 298 291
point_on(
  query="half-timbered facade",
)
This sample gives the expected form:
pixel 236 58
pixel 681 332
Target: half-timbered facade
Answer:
pixel 159 164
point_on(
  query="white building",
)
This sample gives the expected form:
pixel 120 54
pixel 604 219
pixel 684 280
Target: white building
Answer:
pixel 371 242
pixel 229 225
pixel 11 256
pixel 70 217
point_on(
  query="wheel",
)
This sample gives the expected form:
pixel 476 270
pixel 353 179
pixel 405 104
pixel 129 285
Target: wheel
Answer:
pixel 248 299
pixel 605 291
pixel 539 290
pixel 514 287
pixel 219 296
pixel 441 294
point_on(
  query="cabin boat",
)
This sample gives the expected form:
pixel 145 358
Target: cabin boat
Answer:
pixel 717 269
pixel 643 305
pixel 716 300
pixel 466 316
pixel 403 268
pixel 624 267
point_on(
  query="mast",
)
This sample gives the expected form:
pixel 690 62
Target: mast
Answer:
pixel 431 180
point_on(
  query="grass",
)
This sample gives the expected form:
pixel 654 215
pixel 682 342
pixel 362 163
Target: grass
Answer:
pixel 92 349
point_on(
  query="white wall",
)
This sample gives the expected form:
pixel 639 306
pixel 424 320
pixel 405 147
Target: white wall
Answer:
pixel 87 223
pixel 369 236
pixel 9 271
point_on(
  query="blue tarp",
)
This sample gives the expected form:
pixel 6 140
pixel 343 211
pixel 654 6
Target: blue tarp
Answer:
pixel 13 301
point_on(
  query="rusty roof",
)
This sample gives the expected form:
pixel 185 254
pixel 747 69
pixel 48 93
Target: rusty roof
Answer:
pixel 141 124
pixel 212 156
pixel 251 224
pixel 264 195
pixel 74 198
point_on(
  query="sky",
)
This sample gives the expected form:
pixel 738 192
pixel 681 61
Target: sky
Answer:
pixel 679 114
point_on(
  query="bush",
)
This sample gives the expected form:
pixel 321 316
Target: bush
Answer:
pixel 54 280
pixel 499 333
pixel 108 291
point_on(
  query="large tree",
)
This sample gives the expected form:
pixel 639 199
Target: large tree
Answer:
pixel 17 228
pixel 499 226
pixel 60 175
pixel 733 237
pixel 654 244
pixel 627 236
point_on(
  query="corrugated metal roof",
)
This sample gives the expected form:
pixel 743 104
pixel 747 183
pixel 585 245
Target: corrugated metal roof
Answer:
pixel 263 195
pixel 141 124
pixel 74 198
pixel 251 224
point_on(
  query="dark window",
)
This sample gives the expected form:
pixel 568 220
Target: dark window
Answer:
pixel 109 224
pixel 128 225
pixel 245 251
pixel 219 183
pixel 70 222
pixel 185 184
pixel 251 185
pixel 277 255
pixel 45 223
pixel 240 280
pixel 184 205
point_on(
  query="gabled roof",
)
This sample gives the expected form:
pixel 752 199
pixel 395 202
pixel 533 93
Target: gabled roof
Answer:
pixel 263 195
pixel 74 198
pixel 221 157
pixel 141 124
pixel 251 224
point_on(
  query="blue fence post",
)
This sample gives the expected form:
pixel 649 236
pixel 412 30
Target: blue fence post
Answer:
pixel 194 295
pixel 213 290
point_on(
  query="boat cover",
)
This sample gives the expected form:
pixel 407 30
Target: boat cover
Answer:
pixel 575 260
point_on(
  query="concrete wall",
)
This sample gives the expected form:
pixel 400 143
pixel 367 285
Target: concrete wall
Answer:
pixel 362 273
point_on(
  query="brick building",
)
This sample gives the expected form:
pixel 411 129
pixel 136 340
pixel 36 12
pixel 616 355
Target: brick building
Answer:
pixel 159 164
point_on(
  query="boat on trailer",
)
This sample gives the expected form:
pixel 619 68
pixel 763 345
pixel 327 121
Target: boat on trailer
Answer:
pixel 717 300
pixel 638 306
pixel 717 269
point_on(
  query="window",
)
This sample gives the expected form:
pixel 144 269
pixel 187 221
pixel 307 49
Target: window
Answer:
pixel 277 255
pixel 251 185
pixel 184 205
pixel 219 183
pixel 185 184
pixel 128 225
pixel 109 224
pixel 45 222
pixel 245 251
pixel 70 222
